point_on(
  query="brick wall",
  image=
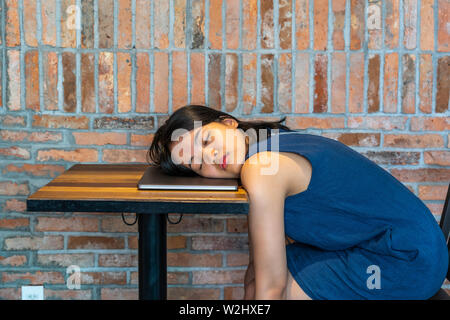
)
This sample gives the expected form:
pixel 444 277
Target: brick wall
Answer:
pixel 371 74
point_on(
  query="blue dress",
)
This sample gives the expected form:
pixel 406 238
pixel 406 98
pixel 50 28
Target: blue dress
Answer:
pixel 359 233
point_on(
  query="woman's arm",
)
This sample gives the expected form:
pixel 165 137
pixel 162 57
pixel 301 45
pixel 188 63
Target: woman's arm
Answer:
pixel 267 194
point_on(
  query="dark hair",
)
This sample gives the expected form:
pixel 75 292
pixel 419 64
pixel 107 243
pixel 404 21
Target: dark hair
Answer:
pixel 159 154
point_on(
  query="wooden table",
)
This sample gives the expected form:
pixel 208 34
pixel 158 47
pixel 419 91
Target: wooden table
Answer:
pixel 113 188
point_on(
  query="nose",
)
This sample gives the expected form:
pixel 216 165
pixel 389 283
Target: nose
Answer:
pixel 210 156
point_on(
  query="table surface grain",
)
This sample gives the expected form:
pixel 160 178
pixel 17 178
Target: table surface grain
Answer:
pixel 118 182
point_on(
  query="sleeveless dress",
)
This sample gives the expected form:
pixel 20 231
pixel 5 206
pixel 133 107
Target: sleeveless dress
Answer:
pixel 359 232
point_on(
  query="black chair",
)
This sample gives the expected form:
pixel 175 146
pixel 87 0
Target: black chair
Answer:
pixel 445 227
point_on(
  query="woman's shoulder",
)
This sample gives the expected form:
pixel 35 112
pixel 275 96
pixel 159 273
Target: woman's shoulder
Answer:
pixel 268 170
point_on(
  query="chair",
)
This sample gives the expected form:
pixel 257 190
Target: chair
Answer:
pixel 445 227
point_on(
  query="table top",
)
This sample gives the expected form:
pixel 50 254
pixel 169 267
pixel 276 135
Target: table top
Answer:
pixel 113 188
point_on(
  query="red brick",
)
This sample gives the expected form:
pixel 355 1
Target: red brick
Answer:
pixel 321 85
pixel 320 24
pixel 12 28
pixel 231 81
pixel 32 80
pixel 374 24
pixel 248 82
pixel 13 261
pixel 237 259
pixel 87 24
pixel 48 18
pixel 426 25
pixel 409 83
pixel 105 23
pixel 125 34
pixel 432 192
pixel 339 24
pixel 393 157
pixel 81 224
pixel 66 260
pixel 38 170
pixel 141 139
pixel 12 121
pixel 13 89
pixel 36 278
pixel 285 23
pixel 50 294
pixel 102 278
pixel 87 82
pixel 185 259
pixel 68 24
pixel 198 24
pixel 190 223
pixel 421 175
pixel 10 293
pixel 413 141
pixel 233 293
pixel 443 9
pixel 357 26
pixel 249 24
pixel 132 242
pixel 13 224
pixel 392 24
pixel 9 188
pixel 214 82
pixel 77 155
pixel 50 85
pixel 119 294
pixel 285 82
pixel 302 24
pixel 143 26
pixel 179 78
pixel 176 242
pixel 373 97
pixel 198 78
pixel 390 82
pixel 161 23
pixel 183 293
pixel 267 85
pixel 14 205
pixel 30 23
pixel 356 83
pixel 232 24
pixel 440 158
pixel 218 276
pixel 124 155
pixel 443 85
pixel 177 278
pixel 267 25
pixel 179 25
pixel 117 260
pixel 161 77
pixel 356 139
pixel 124 82
pixel 106 82
pixel 219 243
pixel 115 224
pixel 8 135
pixel 69 82
pixel 430 123
pixel 237 225
pixel 15 152
pixel 54 121
pixel 309 122
pixel 142 83
pixel 34 243
pixel 302 83
pixel 95 242
pixel 409 22
pixel 426 83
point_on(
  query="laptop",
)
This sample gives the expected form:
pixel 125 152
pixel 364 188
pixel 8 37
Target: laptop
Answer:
pixel 154 179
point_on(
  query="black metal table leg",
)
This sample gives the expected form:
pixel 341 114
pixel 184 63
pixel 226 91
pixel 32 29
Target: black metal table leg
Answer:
pixel 152 257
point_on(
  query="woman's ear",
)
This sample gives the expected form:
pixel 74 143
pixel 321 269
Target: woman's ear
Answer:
pixel 230 122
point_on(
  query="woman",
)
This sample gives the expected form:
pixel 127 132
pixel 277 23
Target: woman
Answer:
pixel 355 231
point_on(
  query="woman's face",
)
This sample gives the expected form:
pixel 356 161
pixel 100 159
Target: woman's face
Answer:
pixel 215 150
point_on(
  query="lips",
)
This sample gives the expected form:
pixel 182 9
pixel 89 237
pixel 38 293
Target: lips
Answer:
pixel 224 162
